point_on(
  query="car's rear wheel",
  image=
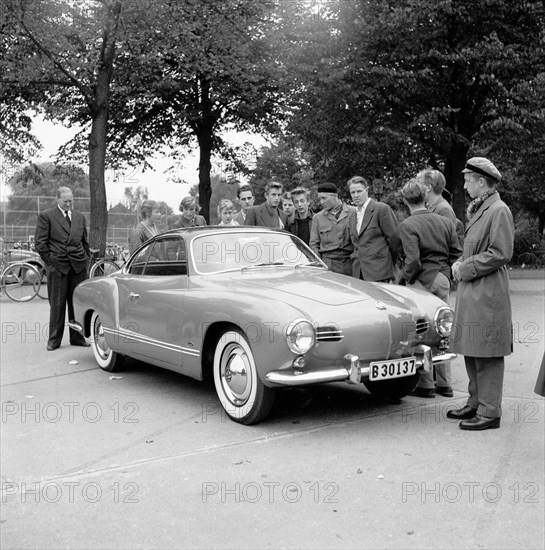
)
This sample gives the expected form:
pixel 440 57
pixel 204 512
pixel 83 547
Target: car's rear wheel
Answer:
pixel 241 392
pixel 393 389
pixel 106 358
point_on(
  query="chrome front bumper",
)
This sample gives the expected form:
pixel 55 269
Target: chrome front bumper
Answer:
pixel 353 373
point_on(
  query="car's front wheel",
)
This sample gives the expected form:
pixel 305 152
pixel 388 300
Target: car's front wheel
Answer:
pixel 241 392
pixel 106 358
pixel 393 389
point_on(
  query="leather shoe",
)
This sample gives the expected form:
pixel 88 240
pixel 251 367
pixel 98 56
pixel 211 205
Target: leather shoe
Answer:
pixel 52 347
pixel 444 390
pixel 82 344
pixel 479 422
pixel 423 392
pixel 462 414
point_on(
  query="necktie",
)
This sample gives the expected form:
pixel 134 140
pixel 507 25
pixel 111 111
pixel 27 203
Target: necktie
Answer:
pixel 67 218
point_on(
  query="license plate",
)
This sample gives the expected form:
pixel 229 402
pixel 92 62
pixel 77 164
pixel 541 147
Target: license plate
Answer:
pixel 385 370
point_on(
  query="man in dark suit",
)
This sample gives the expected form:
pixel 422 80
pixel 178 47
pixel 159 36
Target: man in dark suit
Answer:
pixel 246 200
pixel 430 247
pixel 61 241
pixel 268 214
pixel 374 235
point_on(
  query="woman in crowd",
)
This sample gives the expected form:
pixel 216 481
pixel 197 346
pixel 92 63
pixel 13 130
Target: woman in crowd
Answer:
pixel 150 216
pixel 190 214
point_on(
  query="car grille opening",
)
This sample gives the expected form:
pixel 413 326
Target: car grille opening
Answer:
pixel 329 334
pixel 422 325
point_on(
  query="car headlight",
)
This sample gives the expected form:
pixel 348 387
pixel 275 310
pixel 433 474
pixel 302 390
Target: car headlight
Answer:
pixel 444 319
pixel 300 336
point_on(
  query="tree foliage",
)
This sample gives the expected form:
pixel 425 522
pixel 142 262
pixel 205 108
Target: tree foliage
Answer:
pixel 34 188
pixel 415 82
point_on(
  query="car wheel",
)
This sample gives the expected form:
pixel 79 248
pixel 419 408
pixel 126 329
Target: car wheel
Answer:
pixel 241 392
pixel 106 358
pixel 393 389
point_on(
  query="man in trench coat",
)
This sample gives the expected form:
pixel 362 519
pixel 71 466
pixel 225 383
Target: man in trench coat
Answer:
pixel 482 323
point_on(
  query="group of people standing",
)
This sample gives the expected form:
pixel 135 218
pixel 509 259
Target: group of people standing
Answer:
pixel 365 241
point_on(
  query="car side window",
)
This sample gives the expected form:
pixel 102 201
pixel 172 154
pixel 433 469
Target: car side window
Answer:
pixel 167 257
pixel 139 261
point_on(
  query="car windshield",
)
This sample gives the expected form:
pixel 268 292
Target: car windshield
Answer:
pixel 225 251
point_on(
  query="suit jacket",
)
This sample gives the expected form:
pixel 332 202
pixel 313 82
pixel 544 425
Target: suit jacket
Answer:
pixel 482 316
pixel 430 246
pixel 60 244
pixel 265 216
pixel 239 217
pixel 377 244
pixel 443 208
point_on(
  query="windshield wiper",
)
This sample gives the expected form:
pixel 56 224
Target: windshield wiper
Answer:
pixel 315 263
pixel 264 264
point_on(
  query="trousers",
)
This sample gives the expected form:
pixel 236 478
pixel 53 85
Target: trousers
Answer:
pixel 439 287
pixel 485 384
pixel 60 288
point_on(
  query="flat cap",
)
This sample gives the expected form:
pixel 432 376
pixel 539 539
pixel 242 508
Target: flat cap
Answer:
pixel 327 188
pixel 482 166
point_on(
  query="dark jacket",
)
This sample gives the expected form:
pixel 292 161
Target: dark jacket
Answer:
pixel 266 216
pixel 376 244
pixel 301 226
pixel 60 244
pixel 430 246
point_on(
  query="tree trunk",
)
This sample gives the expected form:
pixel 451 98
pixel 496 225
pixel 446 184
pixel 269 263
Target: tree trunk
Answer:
pixel 454 164
pixel 100 110
pixel 97 155
pixel 205 189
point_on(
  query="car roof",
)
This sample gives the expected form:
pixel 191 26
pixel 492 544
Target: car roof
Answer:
pixel 203 229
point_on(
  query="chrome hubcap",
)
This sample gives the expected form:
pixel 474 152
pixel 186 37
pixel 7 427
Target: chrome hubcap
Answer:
pixel 100 341
pixel 235 374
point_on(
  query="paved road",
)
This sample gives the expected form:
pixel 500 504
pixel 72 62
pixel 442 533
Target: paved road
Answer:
pixel 144 459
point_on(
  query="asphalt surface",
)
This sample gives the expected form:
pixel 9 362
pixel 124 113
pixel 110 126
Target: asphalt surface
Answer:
pixel 145 459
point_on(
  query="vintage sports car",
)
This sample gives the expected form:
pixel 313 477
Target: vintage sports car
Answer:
pixel 256 310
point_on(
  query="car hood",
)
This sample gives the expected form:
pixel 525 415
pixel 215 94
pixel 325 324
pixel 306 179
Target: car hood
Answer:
pixel 322 287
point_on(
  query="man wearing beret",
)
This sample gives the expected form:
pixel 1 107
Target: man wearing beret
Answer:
pixel 329 232
pixel 482 321
pixel 374 233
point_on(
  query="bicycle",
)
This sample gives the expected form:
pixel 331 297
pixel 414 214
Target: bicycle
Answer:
pixel 101 267
pixel 20 281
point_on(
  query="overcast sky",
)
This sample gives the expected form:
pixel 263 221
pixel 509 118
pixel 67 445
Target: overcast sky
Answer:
pixel 159 184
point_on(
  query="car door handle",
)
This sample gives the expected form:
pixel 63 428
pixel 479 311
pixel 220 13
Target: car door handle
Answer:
pixel 134 296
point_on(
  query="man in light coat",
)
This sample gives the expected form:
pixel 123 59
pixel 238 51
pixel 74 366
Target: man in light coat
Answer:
pixel 482 329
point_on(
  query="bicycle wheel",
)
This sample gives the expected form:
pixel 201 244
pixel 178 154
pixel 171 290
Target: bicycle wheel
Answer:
pixel 21 282
pixel 42 288
pixel 103 268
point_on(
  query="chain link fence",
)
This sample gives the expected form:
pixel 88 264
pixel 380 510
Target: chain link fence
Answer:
pixel 19 213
